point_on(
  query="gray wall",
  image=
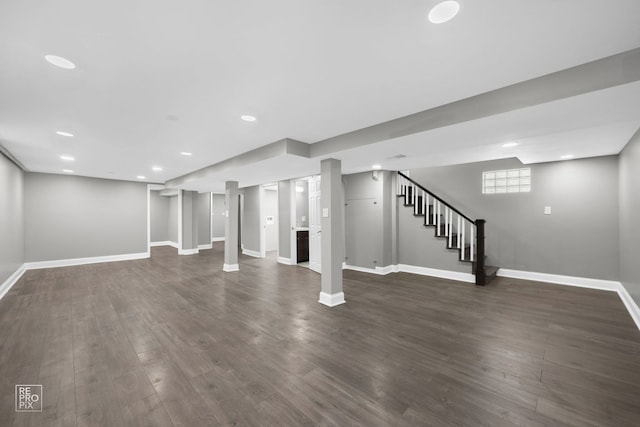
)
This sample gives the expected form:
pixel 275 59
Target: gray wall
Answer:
pixel 159 217
pixel 271 209
pixel 284 219
pixel 302 205
pixel 11 218
pixel 76 217
pixel 218 215
pixel 579 238
pixel 251 219
pixel 629 181
pixel 204 218
pixel 173 219
pixel 368 220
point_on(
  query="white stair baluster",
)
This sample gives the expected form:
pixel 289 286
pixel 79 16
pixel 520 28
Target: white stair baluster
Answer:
pixel 471 241
pixel 460 231
pixel 426 208
pixel 438 220
pixel 461 241
pixel 450 228
pixel 446 221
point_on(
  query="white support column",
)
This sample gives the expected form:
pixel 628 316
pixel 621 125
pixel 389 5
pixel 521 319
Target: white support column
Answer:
pixel 231 227
pixel 332 244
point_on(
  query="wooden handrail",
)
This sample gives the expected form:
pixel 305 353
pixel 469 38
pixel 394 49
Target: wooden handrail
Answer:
pixel 437 197
pixel 479 236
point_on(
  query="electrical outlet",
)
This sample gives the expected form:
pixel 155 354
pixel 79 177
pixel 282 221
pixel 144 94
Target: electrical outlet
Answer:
pixel 547 210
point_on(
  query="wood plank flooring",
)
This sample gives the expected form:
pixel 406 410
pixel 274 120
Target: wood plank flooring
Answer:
pixel 174 341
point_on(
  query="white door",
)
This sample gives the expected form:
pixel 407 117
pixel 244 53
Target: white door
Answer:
pixel 314 223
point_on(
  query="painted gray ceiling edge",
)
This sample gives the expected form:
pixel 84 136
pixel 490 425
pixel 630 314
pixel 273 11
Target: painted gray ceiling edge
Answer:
pixel 615 70
pixel 601 74
pixel 282 147
pixel 11 157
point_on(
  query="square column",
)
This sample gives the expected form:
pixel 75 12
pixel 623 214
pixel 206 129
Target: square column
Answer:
pixel 332 243
pixel 188 223
pixel 231 227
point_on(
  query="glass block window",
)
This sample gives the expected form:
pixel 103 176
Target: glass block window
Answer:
pixel 506 181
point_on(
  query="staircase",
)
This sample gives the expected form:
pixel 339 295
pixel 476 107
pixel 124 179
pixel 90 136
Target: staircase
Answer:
pixel 459 232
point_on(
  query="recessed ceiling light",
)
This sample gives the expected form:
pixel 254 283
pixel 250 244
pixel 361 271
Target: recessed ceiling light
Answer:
pixel 567 157
pixel 156 168
pixel 443 12
pixel 186 153
pixel 141 177
pixel 59 61
pixel 376 166
pixel 248 118
pixel 67 171
pixel 61 133
pixel 67 157
pixel 509 144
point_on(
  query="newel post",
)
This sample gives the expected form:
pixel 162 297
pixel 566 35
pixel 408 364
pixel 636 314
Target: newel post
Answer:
pixel 480 276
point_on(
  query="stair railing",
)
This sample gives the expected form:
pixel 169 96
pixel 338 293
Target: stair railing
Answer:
pixel 437 212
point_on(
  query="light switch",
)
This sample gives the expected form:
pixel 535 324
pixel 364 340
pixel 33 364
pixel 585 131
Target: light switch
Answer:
pixel 325 212
pixel 304 218
pixel 547 210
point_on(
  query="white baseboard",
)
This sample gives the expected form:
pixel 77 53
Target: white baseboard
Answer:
pixel 217 239
pixel 82 261
pixel 286 261
pixel 377 270
pixel 230 267
pixel 249 252
pixel 581 282
pixel 11 280
pixel 434 272
pixel 164 243
pixel 209 246
pixel 331 300
pixel 630 304
pixel 188 251
pixel 423 271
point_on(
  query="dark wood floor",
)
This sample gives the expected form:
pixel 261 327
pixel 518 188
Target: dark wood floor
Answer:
pixel 174 341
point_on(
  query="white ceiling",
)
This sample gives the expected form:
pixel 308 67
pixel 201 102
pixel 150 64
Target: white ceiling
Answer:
pixel 155 78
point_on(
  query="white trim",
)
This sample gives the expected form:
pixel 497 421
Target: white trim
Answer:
pixel 630 304
pixel 382 271
pixel 331 300
pixel 287 261
pixel 217 239
pixel 249 252
pixel 582 282
pixel 230 267
pixel 423 271
pixel 179 219
pixel 82 261
pixel 434 272
pixel 11 280
pixel 293 241
pixel 164 243
pixel 149 217
pixel 263 226
pixel 209 246
pixel 188 251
